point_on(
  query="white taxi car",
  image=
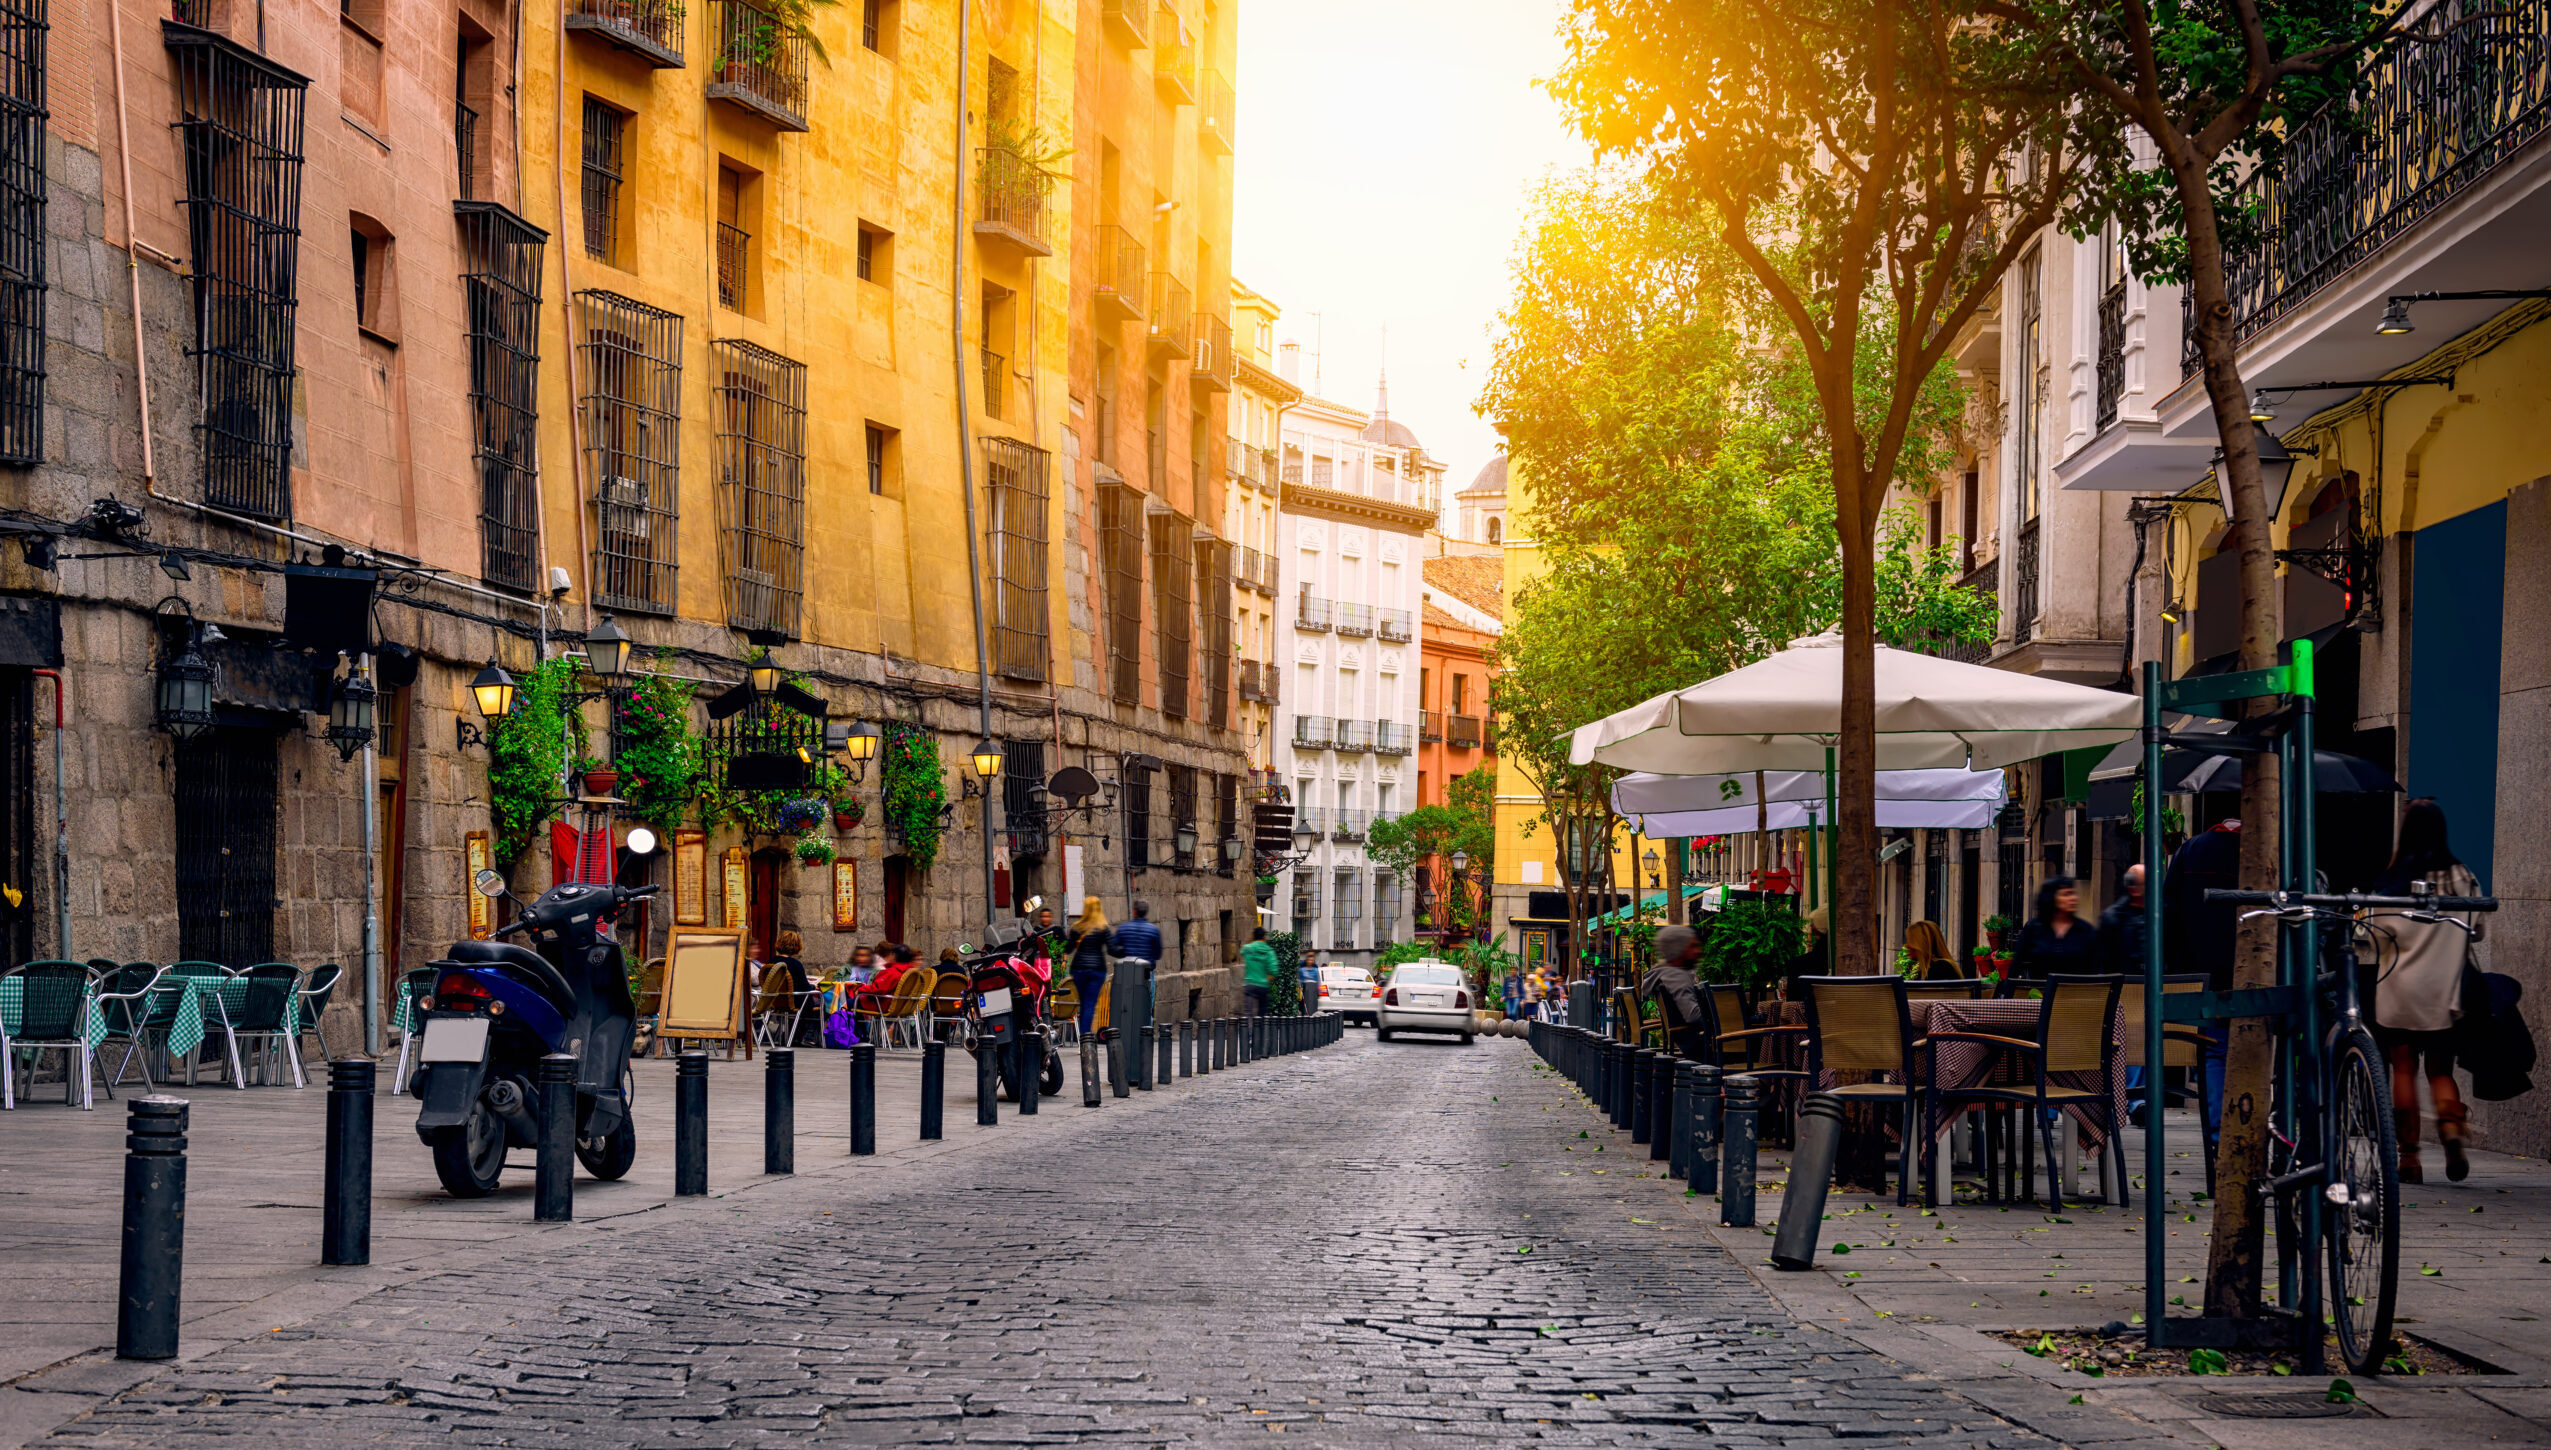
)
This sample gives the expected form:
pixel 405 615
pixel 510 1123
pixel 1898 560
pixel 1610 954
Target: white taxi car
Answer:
pixel 1426 995
pixel 1349 992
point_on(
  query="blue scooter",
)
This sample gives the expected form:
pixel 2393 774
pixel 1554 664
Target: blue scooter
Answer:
pixel 498 1008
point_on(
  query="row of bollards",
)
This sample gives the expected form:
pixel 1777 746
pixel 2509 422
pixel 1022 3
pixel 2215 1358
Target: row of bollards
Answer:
pixel 152 1272
pixel 1696 1120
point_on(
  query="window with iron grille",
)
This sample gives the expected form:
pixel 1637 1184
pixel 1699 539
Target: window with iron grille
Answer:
pixel 1137 818
pixel 1022 775
pixel 761 495
pixel 1014 493
pixel 1182 807
pixel 603 125
pixel 1213 571
pixel 1346 896
pixel 239 130
pixel 632 377
pixel 1306 899
pixel 1227 815
pixel 502 291
pixel 1173 577
pixel 1120 544
pixel 1386 904
pixel 22 284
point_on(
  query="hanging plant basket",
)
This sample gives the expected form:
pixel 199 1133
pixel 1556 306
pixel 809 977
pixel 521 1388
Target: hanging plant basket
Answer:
pixel 848 814
pixel 814 851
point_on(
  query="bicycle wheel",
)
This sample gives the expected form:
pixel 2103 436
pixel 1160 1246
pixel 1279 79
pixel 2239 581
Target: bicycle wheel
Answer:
pixel 2364 1230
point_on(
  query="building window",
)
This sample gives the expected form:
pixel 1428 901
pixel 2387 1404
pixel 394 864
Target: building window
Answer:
pixel 876 255
pixel 1182 807
pixel 1137 818
pixel 1213 571
pixel 633 445
pixel 1496 530
pixel 239 126
pixel 1346 896
pixel 1227 815
pixel 1022 776
pixel 502 292
pixel 734 243
pixel 2031 424
pixel 878 469
pixel 1120 544
pixel 376 299
pixel 1015 500
pixel 1386 905
pixel 762 485
pixel 604 132
pixel 877 26
pixel 22 201
pixel 1173 579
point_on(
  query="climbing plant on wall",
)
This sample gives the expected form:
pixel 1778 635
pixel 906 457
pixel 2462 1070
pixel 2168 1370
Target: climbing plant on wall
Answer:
pixel 658 751
pixel 911 789
pixel 527 756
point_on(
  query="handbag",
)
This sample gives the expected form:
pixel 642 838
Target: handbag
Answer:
pixel 2491 1041
pixel 840 1030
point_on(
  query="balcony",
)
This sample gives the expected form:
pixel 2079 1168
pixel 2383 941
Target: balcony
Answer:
pixel 1213 126
pixel 1430 727
pixel 1211 369
pixel 465 144
pixel 1170 318
pixel 2112 351
pixel 1311 612
pixel 1311 821
pixel 996 382
pixel 651 30
pixel 1392 737
pixel 1119 290
pixel 1253 685
pixel 1354 619
pixel 2024 586
pixel 761 65
pixel 1984 579
pixel 1257 571
pixel 1292 473
pixel 1347 825
pixel 1127 22
pixel 1462 732
pixel 1011 191
pixel 1355 736
pixel 1173 58
pixel 1395 625
pixel 1313 732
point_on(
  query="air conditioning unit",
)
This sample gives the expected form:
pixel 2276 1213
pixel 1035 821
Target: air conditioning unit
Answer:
pixel 624 508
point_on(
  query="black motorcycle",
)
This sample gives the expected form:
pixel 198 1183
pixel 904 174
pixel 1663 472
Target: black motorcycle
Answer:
pixel 498 1008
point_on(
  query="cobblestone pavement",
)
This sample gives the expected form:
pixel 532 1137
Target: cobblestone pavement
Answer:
pixel 1369 1244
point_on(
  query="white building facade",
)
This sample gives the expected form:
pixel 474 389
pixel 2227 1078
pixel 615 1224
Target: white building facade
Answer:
pixel 1357 495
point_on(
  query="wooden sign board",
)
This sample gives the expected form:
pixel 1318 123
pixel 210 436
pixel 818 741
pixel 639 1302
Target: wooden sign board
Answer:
pixel 845 894
pixel 482 910
pixel 690 878
pixel 738 881
pixel 703 985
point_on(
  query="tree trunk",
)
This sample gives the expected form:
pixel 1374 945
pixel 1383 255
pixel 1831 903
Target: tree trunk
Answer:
pixel 1853 910
pixel 2236 1251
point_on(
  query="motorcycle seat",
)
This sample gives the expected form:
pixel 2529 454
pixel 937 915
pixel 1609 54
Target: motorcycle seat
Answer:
pixel 527 962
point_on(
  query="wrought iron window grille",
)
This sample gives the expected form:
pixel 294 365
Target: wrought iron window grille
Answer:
pixel 632 377
pixel 22 203
pixel 501 290
pixel 2112 351
pixel 1214 570
pixel 761 493
pixel 734 276
pixel 1022 781
pixel 2024 581
pixel 239 133
pixel 601 180
pixel 1121 549
pixel 1138 832
pixel 1016 504
pixel 1173 580
pixel 1182 808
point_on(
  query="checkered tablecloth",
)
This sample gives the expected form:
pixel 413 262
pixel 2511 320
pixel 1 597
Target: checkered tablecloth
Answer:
pixel 13 1003
pixel 187 1029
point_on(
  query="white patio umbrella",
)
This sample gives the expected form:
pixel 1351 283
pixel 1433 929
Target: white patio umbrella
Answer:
pixel 1668 806
pixel 1785 712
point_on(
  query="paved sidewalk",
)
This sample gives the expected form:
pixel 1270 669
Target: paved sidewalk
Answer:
pixel 1929 1290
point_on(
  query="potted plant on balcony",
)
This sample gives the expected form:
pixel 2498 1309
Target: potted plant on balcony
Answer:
pixel 601 778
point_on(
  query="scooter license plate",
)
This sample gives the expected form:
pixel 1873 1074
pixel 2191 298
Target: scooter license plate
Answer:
pixel 996 1001
pixel 454 1039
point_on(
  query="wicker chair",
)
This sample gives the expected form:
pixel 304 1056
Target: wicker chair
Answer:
pixel 1635 1020
pixel 2182 1046
pixel 1864 1024
pixel 2072 1038
pixel 904 1005
pixel 947 1000
pixel 1063 1012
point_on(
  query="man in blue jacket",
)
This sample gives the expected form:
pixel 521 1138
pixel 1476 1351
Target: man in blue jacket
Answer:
pixel 1136 938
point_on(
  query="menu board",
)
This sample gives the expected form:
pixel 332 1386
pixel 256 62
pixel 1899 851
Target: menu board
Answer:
pixel 845 894
pixel 690 878
pixel 738 883
pixel 482 908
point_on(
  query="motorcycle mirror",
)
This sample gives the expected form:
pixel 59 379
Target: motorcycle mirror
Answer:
pixel 488 882
pixel 965 948
pixel 1030 906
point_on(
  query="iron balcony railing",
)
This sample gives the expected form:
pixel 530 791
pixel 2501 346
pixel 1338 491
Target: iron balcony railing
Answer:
pixel 465 149
pixel 734 244
pixel 761 65
pixel 1173 58
pixel 1984 579
pixel 1348 826
pixel 1430 727
pixel 1128 22
pixel 1355 735
pixel 1119 289
pixel 1312 612
pixel 1214 104
pixel 1257 571
pixel 1249 687
pixel 1311 821
pixel 648 29
pixel 1170 317
pixel 2429 120
pixel 1462 731
pixel 1353 618
pixel 1393 737
pixel 2112 351
pixel 1212 366
pixel 1013 191
pixel 1394 624
pixel 1293 473
pixel 2024 586
pixel 1313 732
pixel 996 382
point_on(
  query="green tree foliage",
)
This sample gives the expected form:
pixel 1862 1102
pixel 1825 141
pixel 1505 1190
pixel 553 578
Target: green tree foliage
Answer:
pixel 1466 821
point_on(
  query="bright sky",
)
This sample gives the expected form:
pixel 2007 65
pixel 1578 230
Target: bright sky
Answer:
pixel 1385 150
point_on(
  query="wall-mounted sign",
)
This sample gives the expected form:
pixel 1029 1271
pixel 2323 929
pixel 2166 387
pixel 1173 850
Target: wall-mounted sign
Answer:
pixel 737 878
pixel 690 878
pixel 845 894
pixel 477 856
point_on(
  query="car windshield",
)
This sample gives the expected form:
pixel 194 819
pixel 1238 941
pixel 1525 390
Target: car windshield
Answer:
pixel 1428 976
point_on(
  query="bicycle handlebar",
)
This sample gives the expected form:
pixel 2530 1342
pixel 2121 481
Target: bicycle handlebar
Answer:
pixel 2352 901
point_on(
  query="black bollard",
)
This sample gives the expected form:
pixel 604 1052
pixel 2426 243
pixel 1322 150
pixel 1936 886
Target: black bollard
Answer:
pixel 1142 1057
pixel 1642 1101
pixel 934 1089
pixel 1089 1071
pixel 1204 1046
pixel 1222 1049
pixel 345 1234
pixel 553 1196
pixel 1187 1049
pixel 1661 1118
pixel 1811 1173
pixel 1678 1152
pixel 1031 1056
pixel 1165 1068
pixel 863 1099
pixel 987 1087
pixel 691 1124
pixel 1116 1084
pixel 1701 1173
pixel 154 1269
pixel 779 1110
pixel 1736 1150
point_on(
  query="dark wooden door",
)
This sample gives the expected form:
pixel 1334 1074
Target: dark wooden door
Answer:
pixel 898 881
pixel 761 914
pixel 226 847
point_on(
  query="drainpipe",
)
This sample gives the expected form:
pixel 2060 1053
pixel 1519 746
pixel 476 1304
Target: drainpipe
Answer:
pixel 132 266
pixel 61 830
pixel 371 890
pixel 965 425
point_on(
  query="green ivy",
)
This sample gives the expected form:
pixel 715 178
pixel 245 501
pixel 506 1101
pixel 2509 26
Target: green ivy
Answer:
pixel 1284 994
pixel 911 789
pixel 527 756
pixel 659 752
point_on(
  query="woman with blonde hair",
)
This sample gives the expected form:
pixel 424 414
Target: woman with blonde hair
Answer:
pixel 1087 948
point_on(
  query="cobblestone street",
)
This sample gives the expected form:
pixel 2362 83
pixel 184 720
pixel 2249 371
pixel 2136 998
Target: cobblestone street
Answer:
pixel 1366 1244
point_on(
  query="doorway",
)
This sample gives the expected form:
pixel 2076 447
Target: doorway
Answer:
pixel 761 914
pixel 898 882
pixel 226 846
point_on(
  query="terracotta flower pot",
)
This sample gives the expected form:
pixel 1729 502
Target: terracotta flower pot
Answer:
pixel 848 818
pixel 602 782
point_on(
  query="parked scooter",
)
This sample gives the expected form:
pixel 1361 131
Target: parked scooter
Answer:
pixel 1010 986
pixel 498 1008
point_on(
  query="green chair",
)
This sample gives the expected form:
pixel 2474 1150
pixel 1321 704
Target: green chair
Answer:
pixel 53 1014
pixel 269 1020
pixel 414 987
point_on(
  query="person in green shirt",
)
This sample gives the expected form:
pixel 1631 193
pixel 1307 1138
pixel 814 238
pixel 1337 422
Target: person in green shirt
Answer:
pixel 1258 968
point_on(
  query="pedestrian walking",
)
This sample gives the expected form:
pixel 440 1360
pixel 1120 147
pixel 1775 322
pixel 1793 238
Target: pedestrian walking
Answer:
pixel 1136 938
pixel 2418 977
pixel 2197 935
pixel 1673 984
pixel 1258 968
pixel 1087 951
pixel 2125 929
pixel 2055 938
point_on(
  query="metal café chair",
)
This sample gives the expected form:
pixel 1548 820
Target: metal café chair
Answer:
pixel 415 985
pixel 54 1001
pixel 213 982
pixel 2072 1041
pixel 139 1009
pixel 270 1019
pixel 321 985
